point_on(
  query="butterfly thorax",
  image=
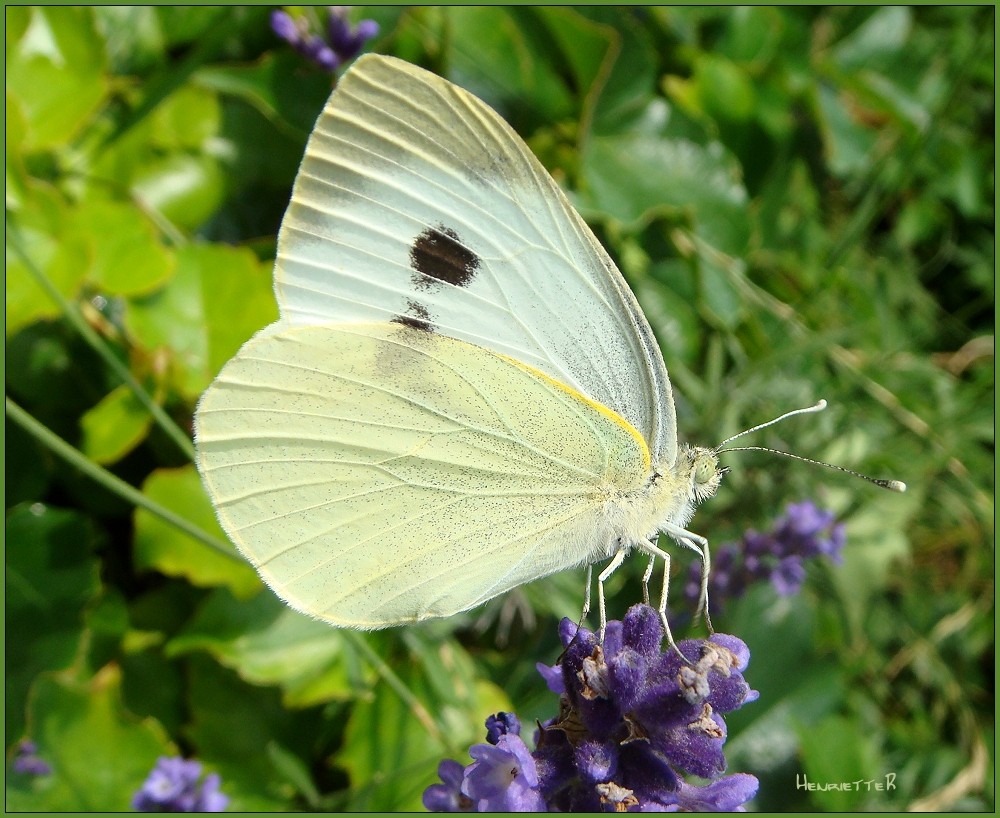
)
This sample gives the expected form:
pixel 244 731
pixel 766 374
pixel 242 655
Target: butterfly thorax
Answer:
pixel 674 493
pixel 669 494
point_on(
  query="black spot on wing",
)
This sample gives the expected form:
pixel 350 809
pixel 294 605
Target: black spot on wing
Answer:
pixel 437 255
pixel 416 316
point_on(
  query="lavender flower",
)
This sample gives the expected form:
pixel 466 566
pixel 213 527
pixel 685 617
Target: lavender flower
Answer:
pixel 173 786
pixel 341 43
pixel 27 761
pixel 503 778
pixel 633 721
pixel 448 797
pixel 805 532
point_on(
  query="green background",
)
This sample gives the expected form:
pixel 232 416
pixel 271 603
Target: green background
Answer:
pixel 802 200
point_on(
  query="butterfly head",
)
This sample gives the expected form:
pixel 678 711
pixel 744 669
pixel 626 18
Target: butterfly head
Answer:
pixel 705 472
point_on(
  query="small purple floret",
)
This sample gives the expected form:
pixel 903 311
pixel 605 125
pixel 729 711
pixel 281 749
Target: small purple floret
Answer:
pixel 503 778
pixel 500 725
pixel 448 796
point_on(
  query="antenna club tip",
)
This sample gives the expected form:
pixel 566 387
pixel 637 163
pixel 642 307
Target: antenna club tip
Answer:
pixel 896 485
pixel 821 404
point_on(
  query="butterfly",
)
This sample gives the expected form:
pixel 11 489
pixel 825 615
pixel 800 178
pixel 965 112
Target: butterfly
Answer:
pixel 461 394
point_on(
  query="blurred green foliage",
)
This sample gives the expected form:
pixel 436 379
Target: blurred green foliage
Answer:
pixel 803 201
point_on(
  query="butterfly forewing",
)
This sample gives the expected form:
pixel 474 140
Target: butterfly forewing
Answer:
pixel 417 204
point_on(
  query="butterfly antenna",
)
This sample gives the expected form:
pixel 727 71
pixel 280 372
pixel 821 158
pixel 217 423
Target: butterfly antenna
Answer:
pixel 891 485
pixel 818 407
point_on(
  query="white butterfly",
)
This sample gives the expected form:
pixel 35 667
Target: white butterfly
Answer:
pixel 461 395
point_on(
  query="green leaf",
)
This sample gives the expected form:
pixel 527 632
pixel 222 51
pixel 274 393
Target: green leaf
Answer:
pixel 724 89
pixel 187 119
pixel 796 688
pixel 187 190
pixel 171 321
pixel 268 643
pixel 276 87
pixel 764 735
pixel 128 258
pixel 719 294
pixel 628 87
pixel 51 577
pixel 752 34
pixel 183 25
pixel 838 750
pixel 56 70
pixel 882 35
pixel 152 685
pixel 849 144
pixel 177 173
pixel 670 304
pixel 133 37
pixel 41 222
pixel 587 47
pixel 15 130
pixel 231 277
pixel 498 59
pixel 244 732
pixel 114 427
pixel 32 475
pixel 192 320
pixel 160 546
pixel 876 540
pixel 633 178
pixel 99 753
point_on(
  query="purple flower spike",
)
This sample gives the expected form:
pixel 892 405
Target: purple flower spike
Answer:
pixel 779 556
pixel 338 42
pixel 27 761
pixel 634 719
pixel 173 786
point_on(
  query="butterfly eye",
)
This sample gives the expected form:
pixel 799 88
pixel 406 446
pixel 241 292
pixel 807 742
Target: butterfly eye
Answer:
pixel 706 467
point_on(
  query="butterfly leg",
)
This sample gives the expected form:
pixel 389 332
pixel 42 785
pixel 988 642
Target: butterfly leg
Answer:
pixel 586 595
pixel 611 567
pixel 645 580
pixel 699 545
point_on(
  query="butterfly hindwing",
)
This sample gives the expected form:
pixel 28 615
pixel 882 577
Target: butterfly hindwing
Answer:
pixel 378 474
